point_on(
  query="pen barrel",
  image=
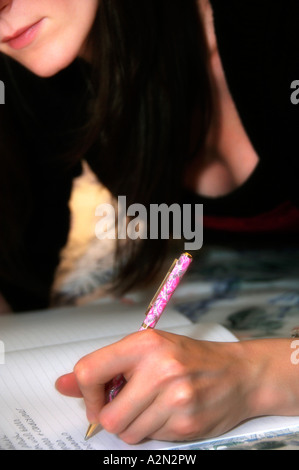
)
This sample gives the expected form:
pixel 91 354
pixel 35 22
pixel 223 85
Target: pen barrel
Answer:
pixel 114 387
pixel 154 313
pixel 175 276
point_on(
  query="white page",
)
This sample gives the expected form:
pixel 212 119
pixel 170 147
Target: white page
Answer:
pixel 66 325
pixel 34 415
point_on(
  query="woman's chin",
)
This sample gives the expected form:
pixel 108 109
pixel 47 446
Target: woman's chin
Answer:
pixel 47 65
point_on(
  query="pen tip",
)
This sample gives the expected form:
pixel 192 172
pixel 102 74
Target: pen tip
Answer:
pixel 91 431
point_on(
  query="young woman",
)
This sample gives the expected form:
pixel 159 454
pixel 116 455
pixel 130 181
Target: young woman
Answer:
pixel 168 101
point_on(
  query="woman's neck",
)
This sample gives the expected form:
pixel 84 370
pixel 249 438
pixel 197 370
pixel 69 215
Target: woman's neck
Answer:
pixel 228 157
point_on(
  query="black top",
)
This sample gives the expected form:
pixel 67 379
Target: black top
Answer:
pixel 258 45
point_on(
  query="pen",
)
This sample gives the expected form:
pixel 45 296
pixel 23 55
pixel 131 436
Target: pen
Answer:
pixel 153 314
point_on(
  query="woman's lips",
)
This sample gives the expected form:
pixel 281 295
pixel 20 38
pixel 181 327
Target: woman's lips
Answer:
pixel 23 37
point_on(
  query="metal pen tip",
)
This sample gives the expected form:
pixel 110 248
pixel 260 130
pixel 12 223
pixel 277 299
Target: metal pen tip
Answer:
pixel 92 429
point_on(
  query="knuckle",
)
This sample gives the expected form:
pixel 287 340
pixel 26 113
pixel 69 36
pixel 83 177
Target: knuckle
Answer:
pixel 83 373
pixel 171 369
pixel 187 429
pixel 129 438
pixel 151 339
pixel 184 395
pixel 110 422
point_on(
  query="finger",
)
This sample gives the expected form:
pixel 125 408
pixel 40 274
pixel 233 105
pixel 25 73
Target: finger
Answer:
pixel 92 389
pixel 157 423
pixel 135 397
pixel 95 370
pixel 152 420
pixel 68 385
pixel 108 362
pixel 171 416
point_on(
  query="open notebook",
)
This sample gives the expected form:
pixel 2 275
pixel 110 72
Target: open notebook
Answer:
pixel 41 346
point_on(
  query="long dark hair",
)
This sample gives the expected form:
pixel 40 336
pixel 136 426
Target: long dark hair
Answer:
pixel 147 79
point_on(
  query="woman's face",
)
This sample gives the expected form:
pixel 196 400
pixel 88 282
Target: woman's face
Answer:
pixel 45 35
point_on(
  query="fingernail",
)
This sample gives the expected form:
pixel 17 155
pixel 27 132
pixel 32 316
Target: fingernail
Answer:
pixel 91 417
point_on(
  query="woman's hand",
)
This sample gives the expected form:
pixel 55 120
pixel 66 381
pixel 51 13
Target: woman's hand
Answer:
pixel 177 388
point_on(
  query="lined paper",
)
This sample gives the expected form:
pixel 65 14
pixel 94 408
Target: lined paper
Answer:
pixel 66 325
pixel 33 415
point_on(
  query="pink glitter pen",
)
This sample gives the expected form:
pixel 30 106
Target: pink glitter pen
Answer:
pixel 153 314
